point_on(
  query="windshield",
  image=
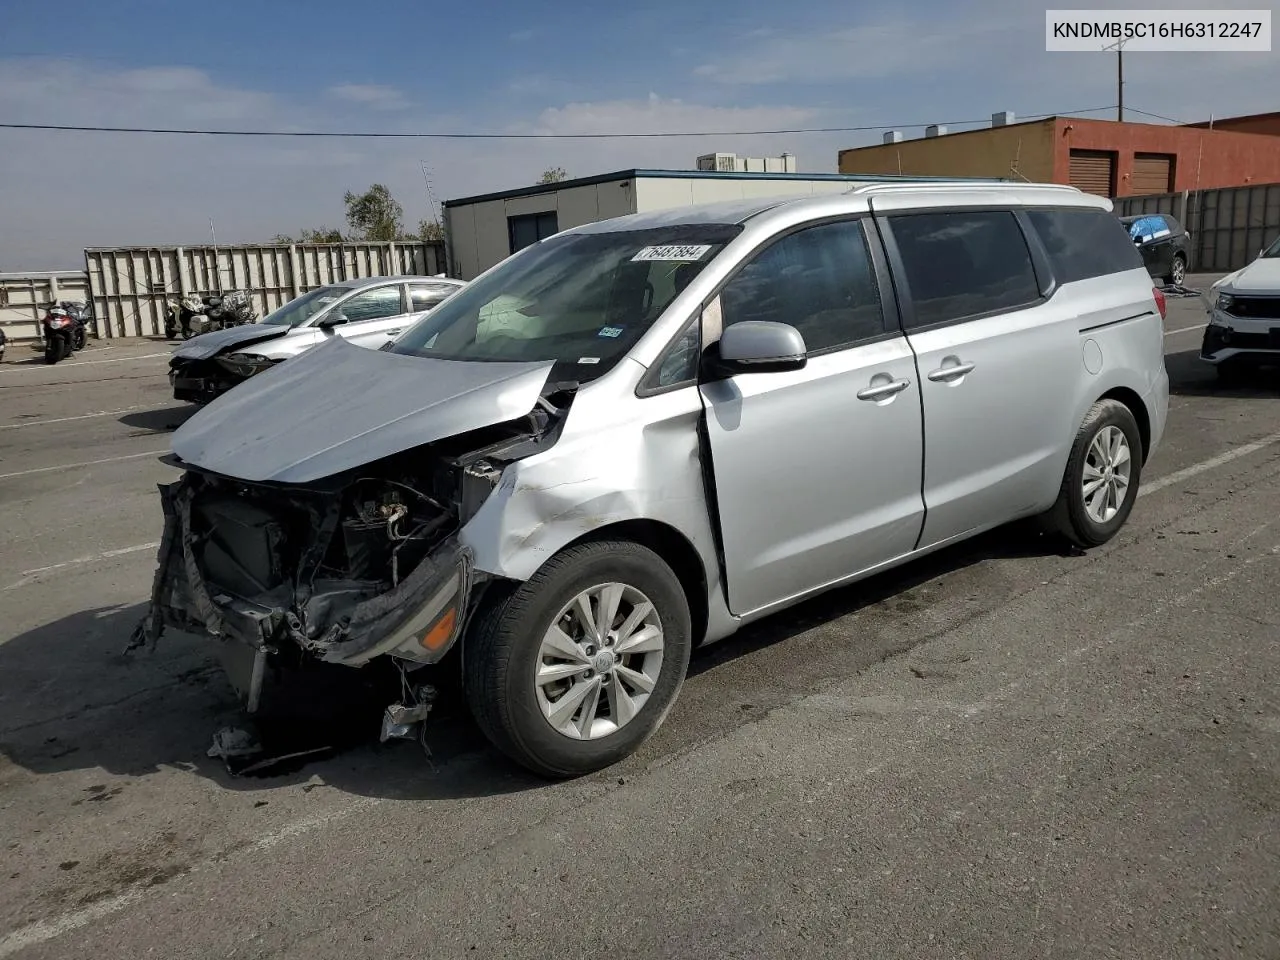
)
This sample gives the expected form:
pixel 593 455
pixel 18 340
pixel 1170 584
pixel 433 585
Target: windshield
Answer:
pixel 582 300
pixel 1272 251
pixel 303 308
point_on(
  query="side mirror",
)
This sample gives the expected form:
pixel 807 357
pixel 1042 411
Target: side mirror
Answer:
pixel 759 346
pixel 332 319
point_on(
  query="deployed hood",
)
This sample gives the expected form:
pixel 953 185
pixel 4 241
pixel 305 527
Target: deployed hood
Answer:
pixel 338 406
pixel 1261 276
pixel 208 344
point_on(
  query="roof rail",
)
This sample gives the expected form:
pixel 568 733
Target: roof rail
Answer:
pixel 935 186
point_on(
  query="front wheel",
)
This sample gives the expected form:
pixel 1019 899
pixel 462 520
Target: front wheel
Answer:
pixel 1177 271
pixel 1100 484
pixel 574 669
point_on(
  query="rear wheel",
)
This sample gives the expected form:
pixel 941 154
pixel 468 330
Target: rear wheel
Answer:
pixel 53 350
pixel 1100 484
pixel 573 670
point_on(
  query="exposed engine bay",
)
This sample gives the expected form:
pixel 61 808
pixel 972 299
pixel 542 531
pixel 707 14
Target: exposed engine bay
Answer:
pixel 356 566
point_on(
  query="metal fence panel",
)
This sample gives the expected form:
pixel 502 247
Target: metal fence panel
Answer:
pixel 1229 226
pixel 23 297
pixel 130 286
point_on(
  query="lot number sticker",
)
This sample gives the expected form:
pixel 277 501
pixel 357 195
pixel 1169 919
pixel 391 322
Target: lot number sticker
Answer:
pixel 671 252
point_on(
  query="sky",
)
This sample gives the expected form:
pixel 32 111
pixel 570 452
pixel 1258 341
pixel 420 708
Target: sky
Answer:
pixel 408 66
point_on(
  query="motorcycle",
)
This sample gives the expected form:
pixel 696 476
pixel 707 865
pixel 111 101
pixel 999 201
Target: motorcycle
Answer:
pixel 65 328
pixel 197 315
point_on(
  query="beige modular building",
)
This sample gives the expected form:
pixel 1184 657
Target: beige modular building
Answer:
pixel 484 230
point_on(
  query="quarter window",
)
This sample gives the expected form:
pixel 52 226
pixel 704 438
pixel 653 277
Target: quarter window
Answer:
pixel 424 296
pixel 964 264
pixel 1083 244
pixel 819 280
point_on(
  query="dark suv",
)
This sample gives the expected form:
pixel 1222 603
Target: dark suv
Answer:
pixel 1163 244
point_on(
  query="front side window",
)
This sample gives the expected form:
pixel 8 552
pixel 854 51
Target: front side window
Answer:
pixel 819 280
pixel 301 309
pixel 581 300
pixel 375 304
pixel 964 264
pixel 1083 244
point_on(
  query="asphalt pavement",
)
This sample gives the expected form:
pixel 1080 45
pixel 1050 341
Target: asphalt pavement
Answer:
pixel 999 751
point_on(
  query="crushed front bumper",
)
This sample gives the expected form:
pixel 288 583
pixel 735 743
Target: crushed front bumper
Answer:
pixel 339 622
pixel 1228 337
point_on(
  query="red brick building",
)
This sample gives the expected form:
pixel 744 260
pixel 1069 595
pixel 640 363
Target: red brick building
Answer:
pixel 1100 156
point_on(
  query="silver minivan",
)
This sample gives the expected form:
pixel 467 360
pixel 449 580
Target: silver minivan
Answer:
pixel 636 436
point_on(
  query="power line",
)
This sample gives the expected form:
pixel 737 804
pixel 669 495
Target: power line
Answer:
pixel 1157 116
pixel 516 136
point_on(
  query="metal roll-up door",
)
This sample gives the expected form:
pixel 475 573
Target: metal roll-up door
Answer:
pixel 1093 171
pixel 1152 173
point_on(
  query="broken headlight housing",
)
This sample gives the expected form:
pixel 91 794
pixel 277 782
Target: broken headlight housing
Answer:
pixel 245 364
pixel 1225 302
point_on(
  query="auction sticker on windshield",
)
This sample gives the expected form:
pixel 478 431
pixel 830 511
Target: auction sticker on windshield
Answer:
pixel 672 252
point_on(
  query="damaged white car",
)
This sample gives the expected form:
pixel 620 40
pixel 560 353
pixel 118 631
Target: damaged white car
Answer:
pixel 640 434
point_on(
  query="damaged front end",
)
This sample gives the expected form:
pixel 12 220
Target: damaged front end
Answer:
pixel 344 570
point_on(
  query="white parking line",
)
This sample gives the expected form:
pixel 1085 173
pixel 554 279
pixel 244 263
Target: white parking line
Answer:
pixel 1198 326
pixel 30 576
pixel 82 416
pixel 83 463
pixel 1186 473
pixel 85 363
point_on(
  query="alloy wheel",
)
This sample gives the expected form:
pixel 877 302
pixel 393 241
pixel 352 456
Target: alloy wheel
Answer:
pixel 1107 468
pixel 599 661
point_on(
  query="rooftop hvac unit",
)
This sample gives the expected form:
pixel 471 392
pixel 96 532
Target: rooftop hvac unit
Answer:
pixel 893 136
pixel 1002 119
pixel 935 131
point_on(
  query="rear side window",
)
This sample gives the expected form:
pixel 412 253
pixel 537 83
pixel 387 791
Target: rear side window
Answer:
pixel 964 264
pixel 1083 244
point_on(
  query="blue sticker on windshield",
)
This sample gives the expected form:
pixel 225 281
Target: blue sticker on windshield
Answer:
pixel 610 332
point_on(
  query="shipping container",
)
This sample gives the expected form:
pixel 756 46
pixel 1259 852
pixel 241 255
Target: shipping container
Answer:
pixel 130 286
pixel 1228 226
pixel 24 296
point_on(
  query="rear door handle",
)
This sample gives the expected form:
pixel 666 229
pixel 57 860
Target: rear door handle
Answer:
pixel 883 390
pixel 943 374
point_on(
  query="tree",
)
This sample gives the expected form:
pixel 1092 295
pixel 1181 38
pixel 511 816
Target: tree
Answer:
pixel 554 175
pixel 374 215
pixel 430 231
pixel 281 238
pixel 322 235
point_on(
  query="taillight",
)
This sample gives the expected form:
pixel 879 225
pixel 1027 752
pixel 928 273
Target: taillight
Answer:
pixel 1160 303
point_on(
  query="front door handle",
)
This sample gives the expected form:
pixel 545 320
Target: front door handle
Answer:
pixel 882 391
pixel 944 374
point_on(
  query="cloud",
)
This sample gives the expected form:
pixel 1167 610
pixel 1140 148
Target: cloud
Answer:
pixel 67 191
pixel 371 95
pixel 876 51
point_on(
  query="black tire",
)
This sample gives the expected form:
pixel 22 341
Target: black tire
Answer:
pixel 1068 516
pixel 78 340
pixel 53 350
pixel 1178 272
pixel 501 656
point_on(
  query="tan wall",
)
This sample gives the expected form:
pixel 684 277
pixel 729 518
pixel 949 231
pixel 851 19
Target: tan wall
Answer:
pixel 478 231
pixel 989 152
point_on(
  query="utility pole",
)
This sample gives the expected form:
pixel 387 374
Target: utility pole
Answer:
pixel 1118 47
